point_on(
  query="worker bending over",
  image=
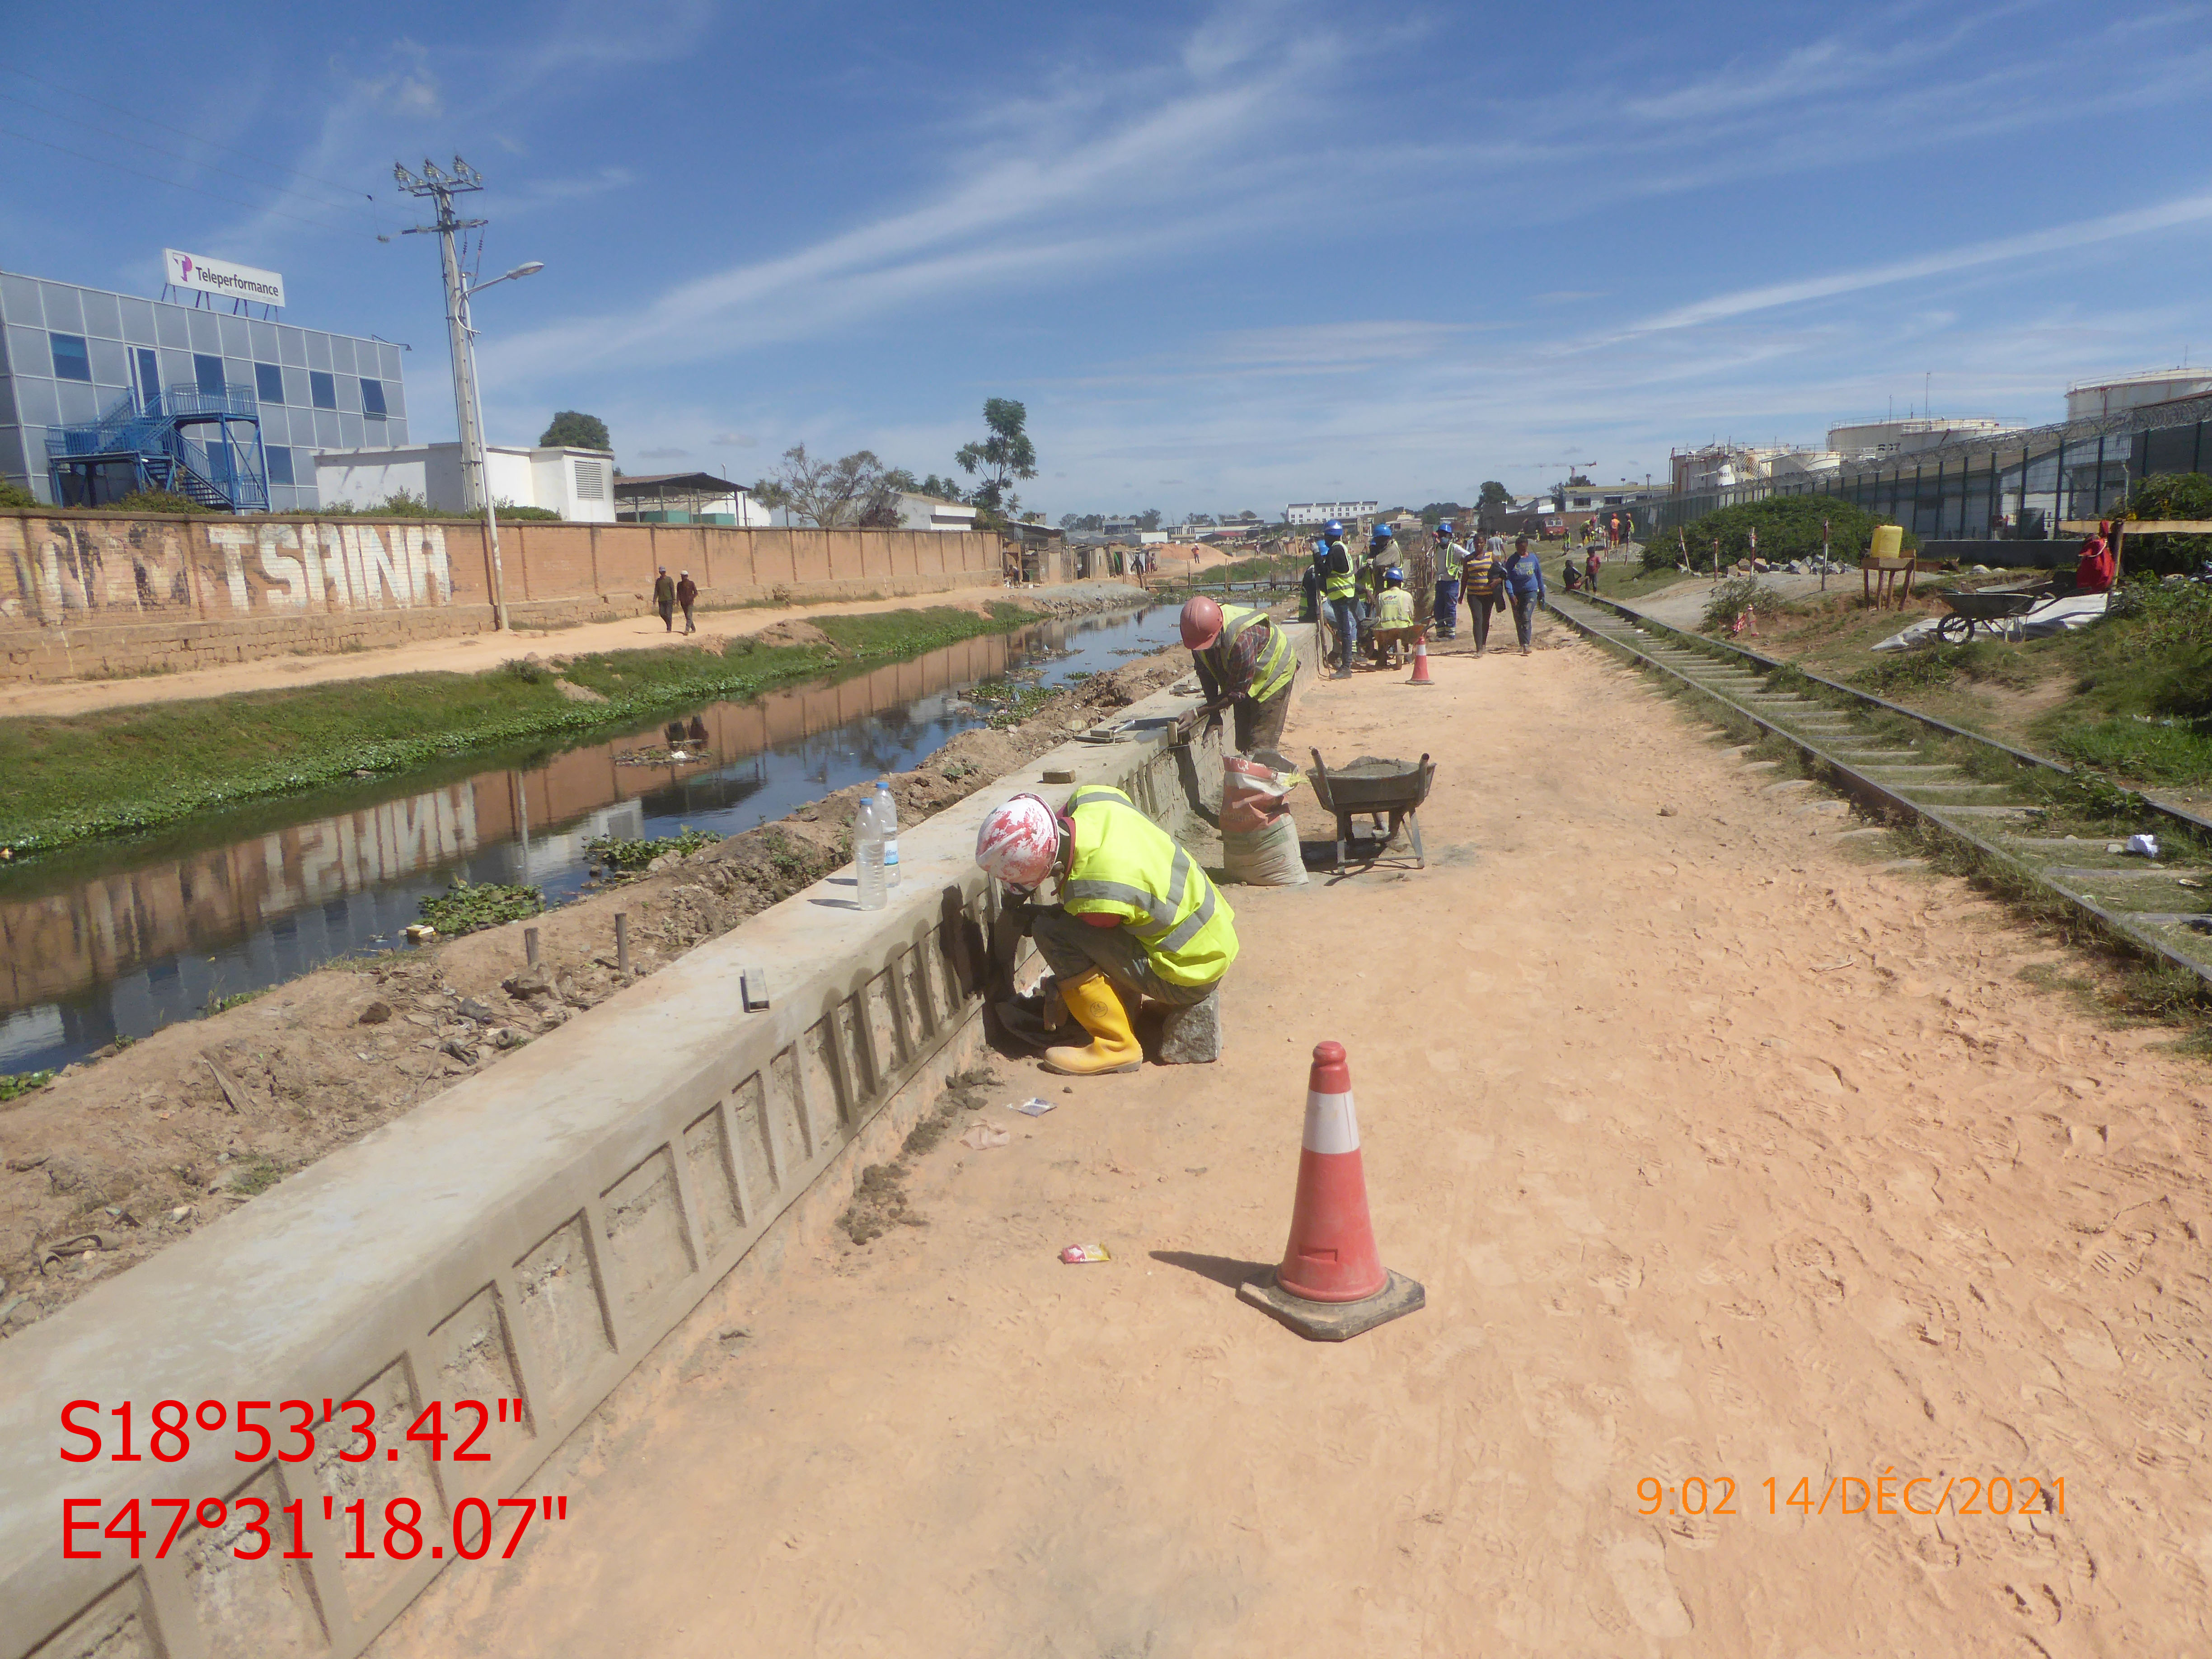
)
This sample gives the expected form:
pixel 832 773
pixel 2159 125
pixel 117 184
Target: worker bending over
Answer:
pixel 1245 663
pixel 1137 917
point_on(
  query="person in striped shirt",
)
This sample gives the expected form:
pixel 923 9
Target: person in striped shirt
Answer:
pixel 1479 579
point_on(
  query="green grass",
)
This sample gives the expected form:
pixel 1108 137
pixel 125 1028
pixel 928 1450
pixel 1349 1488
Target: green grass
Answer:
pixel 129 771
pixel 14 1085
pixel 621 853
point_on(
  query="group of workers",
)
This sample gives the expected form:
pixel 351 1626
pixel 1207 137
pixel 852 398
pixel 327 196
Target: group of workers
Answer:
pixel 1136 918
pixel 1366 597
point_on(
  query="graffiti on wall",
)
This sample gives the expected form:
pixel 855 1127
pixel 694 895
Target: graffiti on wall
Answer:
pixel 60 572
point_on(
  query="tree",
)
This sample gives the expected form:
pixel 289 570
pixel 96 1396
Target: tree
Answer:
pixel 1578 478
pixel 1494 493
pixel 1200 518
pixel 1149 518
pixel 1247 516
pixel 1437 512
pixel 574 429
pixel 854 490
pixel 1005 455
pixel 944 489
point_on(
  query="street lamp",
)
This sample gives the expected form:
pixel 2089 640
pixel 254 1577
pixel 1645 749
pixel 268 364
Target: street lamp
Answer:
pixel 481 460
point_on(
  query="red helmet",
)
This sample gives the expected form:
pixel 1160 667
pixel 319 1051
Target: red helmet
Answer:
pixel 1201 623
pixel 1019 841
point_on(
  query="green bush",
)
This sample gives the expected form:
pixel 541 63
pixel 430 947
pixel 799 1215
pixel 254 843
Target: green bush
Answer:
pixel 1789 528
pixel 14 496
pixel 1734 597
pixel 160 500
pixel 2169 495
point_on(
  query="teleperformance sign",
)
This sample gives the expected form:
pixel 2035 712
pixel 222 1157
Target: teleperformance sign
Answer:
pixel 220 276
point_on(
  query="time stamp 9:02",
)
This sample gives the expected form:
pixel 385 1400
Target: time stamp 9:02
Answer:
pixel 1887 1493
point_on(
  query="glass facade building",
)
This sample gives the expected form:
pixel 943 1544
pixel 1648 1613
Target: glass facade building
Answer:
pixel 70 355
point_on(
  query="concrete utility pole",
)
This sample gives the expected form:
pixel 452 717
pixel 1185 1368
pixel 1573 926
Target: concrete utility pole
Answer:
pixel 441 188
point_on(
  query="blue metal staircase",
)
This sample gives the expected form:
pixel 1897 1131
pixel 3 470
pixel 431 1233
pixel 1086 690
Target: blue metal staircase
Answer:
pixel 206 444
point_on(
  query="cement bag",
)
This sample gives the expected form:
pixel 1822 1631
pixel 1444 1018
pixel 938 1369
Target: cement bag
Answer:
pixel 1259 842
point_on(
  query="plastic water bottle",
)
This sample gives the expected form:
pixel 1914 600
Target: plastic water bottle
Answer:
pixel 887 824
pixel 868 856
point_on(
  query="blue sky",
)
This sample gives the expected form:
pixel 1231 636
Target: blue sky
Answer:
pixel 1229 255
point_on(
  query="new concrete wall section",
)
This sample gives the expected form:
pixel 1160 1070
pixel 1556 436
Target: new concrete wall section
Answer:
pixel 528 1237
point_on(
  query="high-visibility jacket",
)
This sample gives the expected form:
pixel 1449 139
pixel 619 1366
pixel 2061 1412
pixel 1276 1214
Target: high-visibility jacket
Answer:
pixel 1270 674
pixel 1335 584
pixel 1125 866
pixel 1394 609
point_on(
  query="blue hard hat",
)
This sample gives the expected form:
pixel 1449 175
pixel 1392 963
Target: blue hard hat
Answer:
pixel 1382 532
pixel 1334 527
pixel 1444 528
pixel 1394 574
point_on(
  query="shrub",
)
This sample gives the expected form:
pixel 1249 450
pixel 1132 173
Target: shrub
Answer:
pixel 466 906
pixel 14 496
pixel 2169 495
pixel 1789 528
pixel 1733 598
pixel 624 854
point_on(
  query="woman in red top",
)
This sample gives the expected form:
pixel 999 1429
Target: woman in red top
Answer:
pixel 2093 571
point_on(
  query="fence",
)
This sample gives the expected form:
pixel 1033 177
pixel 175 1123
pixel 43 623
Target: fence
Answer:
pixel 2019 486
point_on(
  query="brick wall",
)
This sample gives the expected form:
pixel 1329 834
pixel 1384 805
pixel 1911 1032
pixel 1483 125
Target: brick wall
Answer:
pixel 103 593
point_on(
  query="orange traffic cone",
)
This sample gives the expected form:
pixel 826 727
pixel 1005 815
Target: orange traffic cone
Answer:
pixel 1332 1285
pixel 1421 659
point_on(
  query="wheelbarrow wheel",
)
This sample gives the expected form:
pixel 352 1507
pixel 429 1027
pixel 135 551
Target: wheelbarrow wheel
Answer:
pixel 1955 629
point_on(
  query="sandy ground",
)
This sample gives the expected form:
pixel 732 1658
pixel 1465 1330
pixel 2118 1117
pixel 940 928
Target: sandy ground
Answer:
pixel 472 653
pixel 1683 605
pixel 1723 1151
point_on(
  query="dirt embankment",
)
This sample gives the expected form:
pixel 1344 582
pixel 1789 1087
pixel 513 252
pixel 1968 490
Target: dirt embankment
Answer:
pixel 120 1156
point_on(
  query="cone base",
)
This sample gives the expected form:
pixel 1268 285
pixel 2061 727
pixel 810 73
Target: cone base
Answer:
pixel 1333 1322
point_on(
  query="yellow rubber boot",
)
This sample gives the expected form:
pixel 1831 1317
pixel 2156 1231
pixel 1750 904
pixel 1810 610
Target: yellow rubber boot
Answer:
pixel 1098 1008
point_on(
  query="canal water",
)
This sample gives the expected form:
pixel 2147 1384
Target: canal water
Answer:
pixel 122 939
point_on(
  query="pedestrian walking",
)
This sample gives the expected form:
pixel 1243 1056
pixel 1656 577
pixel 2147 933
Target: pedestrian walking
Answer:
pixel 1591 565
pixel 664 599
pixel 1480 577
pixel 687 595
pixel 1523 572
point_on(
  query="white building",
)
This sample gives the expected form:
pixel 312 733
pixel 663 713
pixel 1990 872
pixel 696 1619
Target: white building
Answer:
pixel 1322 512
pixel 1874 441
pixel 2092 398
pixel 928 513
pixel 1595 498
pixel 577 483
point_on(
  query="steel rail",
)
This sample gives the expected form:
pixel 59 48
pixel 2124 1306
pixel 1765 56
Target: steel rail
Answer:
pixel 1877 795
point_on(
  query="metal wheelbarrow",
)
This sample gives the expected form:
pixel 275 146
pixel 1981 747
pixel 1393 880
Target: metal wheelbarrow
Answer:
pixel 1377 789
pixel 1991 609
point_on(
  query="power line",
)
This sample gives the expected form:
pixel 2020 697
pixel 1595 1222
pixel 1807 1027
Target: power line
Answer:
pixel 146 120
pixel 125 138
pixel 177 184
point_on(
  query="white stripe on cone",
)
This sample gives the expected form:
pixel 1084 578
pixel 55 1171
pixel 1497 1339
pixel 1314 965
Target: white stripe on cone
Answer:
pixel 1331 1124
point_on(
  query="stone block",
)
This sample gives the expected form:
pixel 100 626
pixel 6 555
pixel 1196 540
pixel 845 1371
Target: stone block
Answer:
pixel 1192 1036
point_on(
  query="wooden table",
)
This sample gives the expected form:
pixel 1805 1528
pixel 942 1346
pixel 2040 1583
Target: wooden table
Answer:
pixel 1878 579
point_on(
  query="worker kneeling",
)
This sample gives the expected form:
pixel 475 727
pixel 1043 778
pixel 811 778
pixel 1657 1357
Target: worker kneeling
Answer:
pixel 1244 662
pixel 1137 918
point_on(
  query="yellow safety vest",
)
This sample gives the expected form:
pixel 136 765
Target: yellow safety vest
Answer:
pixel 1394 609
pixel 1125 866
pixel 1334 584
pixel 1276 665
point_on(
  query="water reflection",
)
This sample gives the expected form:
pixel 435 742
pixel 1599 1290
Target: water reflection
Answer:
pixel 124 948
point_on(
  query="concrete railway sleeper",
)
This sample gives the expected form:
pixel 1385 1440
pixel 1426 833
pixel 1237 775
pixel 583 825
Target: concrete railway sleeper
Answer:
pixel 1987 796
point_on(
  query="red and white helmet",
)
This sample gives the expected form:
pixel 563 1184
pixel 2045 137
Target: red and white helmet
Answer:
pixel 1019 841
pixel 1201 622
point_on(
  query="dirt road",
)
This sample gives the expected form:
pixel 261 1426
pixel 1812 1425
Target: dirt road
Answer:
pixel 471 653
pixel 1724 1155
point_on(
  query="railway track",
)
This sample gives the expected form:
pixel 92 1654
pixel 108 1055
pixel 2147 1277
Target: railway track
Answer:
pixel 2031 816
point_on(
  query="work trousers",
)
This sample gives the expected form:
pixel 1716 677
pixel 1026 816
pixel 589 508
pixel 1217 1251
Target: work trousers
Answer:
pixel 1448 607
pixel 1524 616
pixel 1072 947
pixel 1345 613
pixel 1479 608
pixel 1260 725
pixel 667 608
pixel 690 626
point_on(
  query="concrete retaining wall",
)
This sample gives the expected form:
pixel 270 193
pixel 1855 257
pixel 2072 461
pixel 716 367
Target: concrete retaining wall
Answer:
pixel 101 593
pixel 529 1235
